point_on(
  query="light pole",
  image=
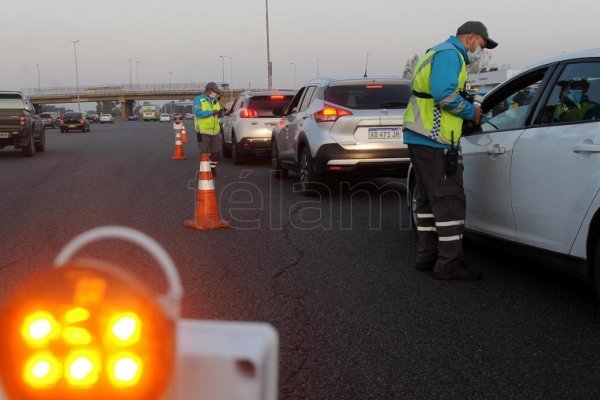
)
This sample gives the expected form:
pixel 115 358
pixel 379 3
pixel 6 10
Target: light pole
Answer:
pixel 317 67
pixel 294 64
pixel 230 73
pixel 269 66
pixel 39 84
pixel 76 72
pixel 130 82
pixel 222 70
pixel 170 75
pixel 137 74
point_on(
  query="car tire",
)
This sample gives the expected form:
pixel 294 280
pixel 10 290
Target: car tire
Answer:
pixel 236 157
pixel 309 184
pixel 278 171
pixel 40 145
pixel 29 149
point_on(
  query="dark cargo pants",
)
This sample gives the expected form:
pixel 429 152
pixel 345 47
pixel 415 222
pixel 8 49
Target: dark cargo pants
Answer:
pixel 440 209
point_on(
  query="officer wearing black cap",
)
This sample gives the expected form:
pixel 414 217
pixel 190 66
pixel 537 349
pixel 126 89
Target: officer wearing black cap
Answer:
pixel 207 110
pixel 432 129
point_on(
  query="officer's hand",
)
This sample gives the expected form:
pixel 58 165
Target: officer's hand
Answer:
pixel 477 116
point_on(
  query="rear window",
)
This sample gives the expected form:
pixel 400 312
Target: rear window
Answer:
pixel 46 115
pixel 8 102
pixel 370 96
pixel 72 115
pixel 264 105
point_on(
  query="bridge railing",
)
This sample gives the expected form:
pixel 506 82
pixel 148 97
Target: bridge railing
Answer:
pixel 116 89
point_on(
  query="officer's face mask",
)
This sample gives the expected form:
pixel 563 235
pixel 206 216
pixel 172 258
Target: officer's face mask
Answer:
pixel 476 50
pixel 212 95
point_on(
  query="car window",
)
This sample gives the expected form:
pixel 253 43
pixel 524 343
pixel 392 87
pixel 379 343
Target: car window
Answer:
pixel 293 106
pixel 10 102
pixel 514 105
pixel 575 96
pixel 265 105
pixel 72 115
pixel 369 96
pixel 310 91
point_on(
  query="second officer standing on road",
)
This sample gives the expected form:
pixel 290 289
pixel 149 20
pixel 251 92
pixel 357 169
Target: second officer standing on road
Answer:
pixel 207 110
pixel 432 127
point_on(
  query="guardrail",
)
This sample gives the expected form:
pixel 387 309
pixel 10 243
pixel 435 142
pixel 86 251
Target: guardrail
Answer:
pixel 119 89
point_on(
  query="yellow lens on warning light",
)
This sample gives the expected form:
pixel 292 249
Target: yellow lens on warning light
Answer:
pixel 125 370
pixel 42 370
pixel 82 368
pixel 39 328
pixel 125 329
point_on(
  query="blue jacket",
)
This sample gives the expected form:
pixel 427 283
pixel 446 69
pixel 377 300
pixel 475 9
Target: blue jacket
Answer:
pixel 197 109
pixel 445 69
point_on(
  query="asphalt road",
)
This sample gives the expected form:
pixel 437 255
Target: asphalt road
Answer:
pixel 332 274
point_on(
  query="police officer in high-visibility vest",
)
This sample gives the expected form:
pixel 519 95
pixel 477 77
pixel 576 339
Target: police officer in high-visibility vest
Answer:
pixel 207 110
pixel 432 129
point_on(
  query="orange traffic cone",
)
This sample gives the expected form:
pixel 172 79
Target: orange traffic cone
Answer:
pixel 178 153
pixel 183 135
pixel 207 210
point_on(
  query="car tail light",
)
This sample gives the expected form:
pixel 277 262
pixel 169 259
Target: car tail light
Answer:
pixel 82 121
pixel 374 86
pixel 22 120
pixel 277 97
pixel 330 114
pixel 248 113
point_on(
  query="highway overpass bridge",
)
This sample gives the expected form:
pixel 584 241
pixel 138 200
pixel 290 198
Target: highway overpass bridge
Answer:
pixel 124 94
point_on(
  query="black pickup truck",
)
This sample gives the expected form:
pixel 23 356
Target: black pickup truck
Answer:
pixel 20 126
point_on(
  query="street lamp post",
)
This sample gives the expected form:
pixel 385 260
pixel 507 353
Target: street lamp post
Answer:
pixel 76 73
pixel 269 66
pixel 137 74
pixel 294 64
pixel 130 81
pixel 230 73
pixel 39 84
pixel 170 75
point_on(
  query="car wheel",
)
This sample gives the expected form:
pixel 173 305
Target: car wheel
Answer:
pixel 40 145
pixel 29 149
pixel 236 157
pixel 278 171
pixel 308 181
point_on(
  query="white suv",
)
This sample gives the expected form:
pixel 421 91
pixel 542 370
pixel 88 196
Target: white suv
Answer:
pixel 104 118
pixel 532 170
pixel 248 124
pixel 335 127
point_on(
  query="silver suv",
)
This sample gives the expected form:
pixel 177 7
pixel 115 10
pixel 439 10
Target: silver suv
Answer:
pixel 339 126
pixel 249 122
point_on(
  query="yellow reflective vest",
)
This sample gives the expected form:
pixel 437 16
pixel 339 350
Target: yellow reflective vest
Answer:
pixel 423 115
pixel 209 125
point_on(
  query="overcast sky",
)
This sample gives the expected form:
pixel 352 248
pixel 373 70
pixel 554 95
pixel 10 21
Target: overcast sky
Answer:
pixel 186 37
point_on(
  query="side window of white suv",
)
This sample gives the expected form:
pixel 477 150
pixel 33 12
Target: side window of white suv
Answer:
pixel 575 95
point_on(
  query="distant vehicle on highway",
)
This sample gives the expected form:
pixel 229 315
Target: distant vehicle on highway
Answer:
pixel 20 126
pixel 164 118
pixel 132 118
pixel 106 118
pixel 92 117
pixel 50 119
pixel 71 121
pixel 177 115
pixel 189 116
pixel 150 112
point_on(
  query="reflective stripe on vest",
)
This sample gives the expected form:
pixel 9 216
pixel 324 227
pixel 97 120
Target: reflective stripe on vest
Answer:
pixel 423 115
pixel 210 124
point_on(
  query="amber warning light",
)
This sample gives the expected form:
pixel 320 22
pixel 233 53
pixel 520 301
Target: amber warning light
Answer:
pixel 86 329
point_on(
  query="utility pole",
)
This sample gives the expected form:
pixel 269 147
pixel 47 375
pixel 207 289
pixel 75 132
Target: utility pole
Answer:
pixel 76 73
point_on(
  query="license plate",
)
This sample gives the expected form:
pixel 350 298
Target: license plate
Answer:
pixel 385 133
pixel 72 126
pixel 4 135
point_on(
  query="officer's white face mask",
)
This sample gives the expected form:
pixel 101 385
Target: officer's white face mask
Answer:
pixel 212 95
pixel 475 55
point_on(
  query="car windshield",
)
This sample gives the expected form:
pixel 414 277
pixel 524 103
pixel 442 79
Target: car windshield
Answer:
pixel 369 96
pixel 10 102
pixel 264 105
pixel 45 115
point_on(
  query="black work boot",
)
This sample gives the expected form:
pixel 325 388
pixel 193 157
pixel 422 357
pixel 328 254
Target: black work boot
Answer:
pixel 461 272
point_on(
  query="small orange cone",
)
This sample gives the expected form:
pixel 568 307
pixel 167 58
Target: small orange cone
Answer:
pixel 178 153
pixel 207 210
pixel 183 135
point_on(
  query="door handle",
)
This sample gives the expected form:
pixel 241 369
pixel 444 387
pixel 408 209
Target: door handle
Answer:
pixel 587 148
pixel 496 150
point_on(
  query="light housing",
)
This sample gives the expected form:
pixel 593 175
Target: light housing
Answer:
pixel 85 330
pixel 330 114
